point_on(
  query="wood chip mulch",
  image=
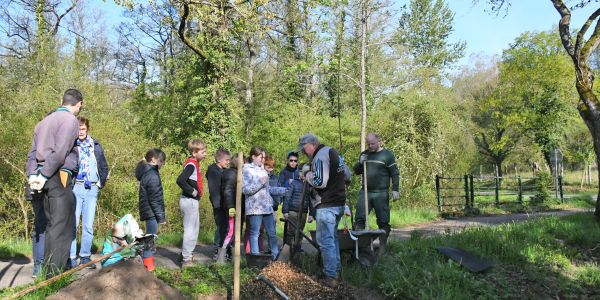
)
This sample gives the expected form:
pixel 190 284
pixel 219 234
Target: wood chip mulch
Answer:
pixel 295 284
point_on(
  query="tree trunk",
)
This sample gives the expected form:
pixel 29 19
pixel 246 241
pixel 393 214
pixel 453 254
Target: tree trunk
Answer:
pixel 580 51
pixel 363 87
pixel 251 63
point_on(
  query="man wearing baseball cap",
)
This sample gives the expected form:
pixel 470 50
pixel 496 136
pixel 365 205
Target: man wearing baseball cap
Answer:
pixel 325 173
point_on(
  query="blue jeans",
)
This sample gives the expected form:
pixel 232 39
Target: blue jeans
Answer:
pixel 151 227
pixel 254 222
pixel 86 208
pixel 328 219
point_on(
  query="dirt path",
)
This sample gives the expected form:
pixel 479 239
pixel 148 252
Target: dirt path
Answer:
pixel 457 225
pixel 17 271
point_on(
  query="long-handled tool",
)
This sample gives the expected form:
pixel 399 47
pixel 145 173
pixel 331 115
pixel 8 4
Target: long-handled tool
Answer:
pixel 297 239
pixel 366 195
pixel 71 271
pixel 279 292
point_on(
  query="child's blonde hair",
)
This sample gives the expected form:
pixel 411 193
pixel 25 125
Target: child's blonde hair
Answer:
pixel 196 145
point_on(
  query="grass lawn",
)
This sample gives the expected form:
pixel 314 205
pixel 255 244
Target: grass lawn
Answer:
pixel 204 279
pixel 10 248
pixel 548 258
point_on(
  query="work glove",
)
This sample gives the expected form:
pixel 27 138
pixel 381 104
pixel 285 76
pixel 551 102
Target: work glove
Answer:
pixel 232 212
pixel 305 169
pixel 310 219
pixel 395 195
pixel 30 183
pixel 37 183
pixel 286 215
pixel 362 158
pixel 64 178
pixel 194 193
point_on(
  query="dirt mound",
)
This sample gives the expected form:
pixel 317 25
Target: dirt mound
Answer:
pixel 123 280
pixel 295 284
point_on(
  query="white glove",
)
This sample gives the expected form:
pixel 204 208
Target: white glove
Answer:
pixel 305 169
pixel 362 158
pixel 395 195
pixel 37 182
pixel 30 181
pixel 195 193
pixel 286 215
pixel 310 219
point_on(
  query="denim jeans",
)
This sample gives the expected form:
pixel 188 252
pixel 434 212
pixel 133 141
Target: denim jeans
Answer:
pixel 328 219
pixel 254 222
pixel 86 208
pixel 151 228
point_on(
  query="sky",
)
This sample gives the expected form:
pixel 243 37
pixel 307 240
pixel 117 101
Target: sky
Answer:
pixel 484 32
pixel 489 34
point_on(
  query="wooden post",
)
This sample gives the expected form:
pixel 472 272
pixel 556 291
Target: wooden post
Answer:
pixel 437 192
pixel 366 195
pixel 497 190
pixel 467 201
pixel 472 191
pixel 520 196
pixel 238 226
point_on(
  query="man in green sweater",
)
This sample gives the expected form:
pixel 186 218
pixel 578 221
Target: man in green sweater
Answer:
pixel 381 168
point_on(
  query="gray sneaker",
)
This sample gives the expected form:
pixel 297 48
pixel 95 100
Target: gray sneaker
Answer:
pixel 187 263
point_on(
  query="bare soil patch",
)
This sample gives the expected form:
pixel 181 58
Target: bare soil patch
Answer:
pixel 126 279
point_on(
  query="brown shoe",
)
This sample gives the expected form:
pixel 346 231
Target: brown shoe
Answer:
pixel 330 282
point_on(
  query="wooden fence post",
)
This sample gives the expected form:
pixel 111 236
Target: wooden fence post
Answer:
pixel 437 192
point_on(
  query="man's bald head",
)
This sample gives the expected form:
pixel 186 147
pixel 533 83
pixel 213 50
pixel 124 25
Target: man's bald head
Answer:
pixel 373 142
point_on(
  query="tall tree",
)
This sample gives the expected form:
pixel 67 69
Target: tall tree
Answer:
pixel 579 48
pixel 425 27
pixel 536 72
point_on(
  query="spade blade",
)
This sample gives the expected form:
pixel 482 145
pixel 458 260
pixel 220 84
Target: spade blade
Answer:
pixel 469 261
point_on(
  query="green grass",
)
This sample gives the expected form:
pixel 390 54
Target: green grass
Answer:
pixel 540 259
pixel 204 279
pixel 10 248
pixel 41 293
pixel 175 238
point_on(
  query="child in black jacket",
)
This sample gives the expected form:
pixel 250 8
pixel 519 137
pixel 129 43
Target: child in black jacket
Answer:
pixel 151 200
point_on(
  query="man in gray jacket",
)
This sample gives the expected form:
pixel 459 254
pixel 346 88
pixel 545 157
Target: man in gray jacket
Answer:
pixel 53 140
pixel 326 174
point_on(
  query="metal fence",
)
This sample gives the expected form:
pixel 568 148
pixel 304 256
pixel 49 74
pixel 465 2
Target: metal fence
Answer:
pixel 469 191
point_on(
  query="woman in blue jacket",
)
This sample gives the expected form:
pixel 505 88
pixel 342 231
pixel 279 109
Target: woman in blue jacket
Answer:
pixel 91 177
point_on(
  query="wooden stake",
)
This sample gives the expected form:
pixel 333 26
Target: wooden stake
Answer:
pixel 238 225
pixel 366 195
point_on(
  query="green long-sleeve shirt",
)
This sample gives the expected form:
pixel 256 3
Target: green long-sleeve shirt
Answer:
pixel 381 168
